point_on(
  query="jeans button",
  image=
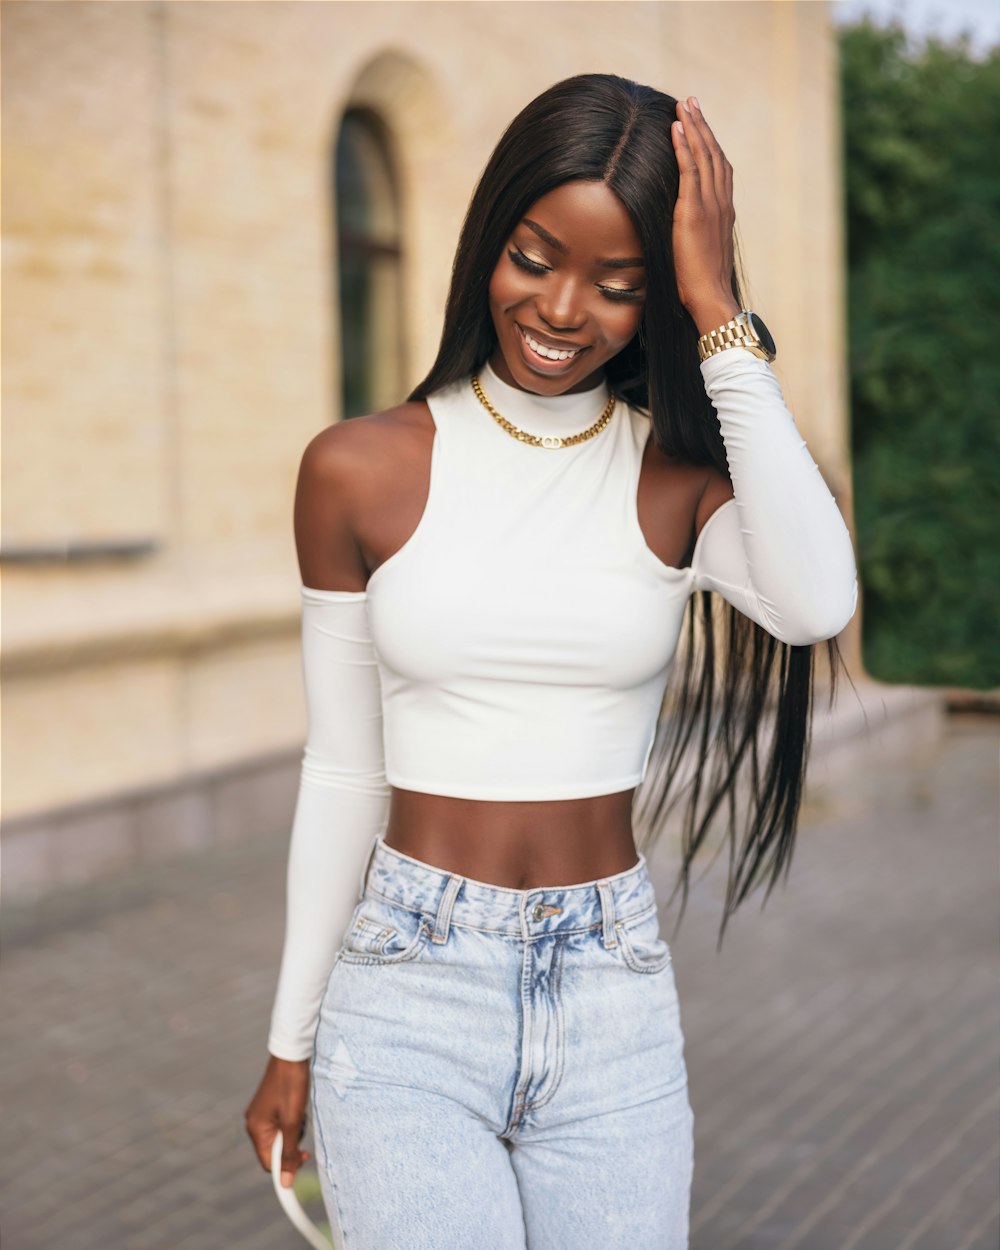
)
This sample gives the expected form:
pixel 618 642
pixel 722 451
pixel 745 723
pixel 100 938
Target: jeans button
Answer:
pixel 537 911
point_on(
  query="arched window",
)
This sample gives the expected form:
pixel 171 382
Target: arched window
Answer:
pixel 368 248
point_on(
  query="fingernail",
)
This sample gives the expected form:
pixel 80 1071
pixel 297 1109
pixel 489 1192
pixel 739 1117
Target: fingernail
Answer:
pixel 694 101
pixel 687 106
pixel 287 1178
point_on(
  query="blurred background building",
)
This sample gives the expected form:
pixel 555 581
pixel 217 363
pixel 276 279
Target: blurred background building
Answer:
pixel 226 225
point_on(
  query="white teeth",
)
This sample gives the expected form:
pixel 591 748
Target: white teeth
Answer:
pixel 549 353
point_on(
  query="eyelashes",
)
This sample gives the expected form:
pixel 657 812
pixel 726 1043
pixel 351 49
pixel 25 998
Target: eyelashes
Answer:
pixel 625 294
pixel 522 261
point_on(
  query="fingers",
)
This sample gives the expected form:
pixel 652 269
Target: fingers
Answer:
pixel 690 187
pixel 262 1136
pixel 705 159
pixel 263 1132
pixel 291 1157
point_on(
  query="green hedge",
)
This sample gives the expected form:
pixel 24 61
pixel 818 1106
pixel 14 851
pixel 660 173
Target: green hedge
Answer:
pixel 921 128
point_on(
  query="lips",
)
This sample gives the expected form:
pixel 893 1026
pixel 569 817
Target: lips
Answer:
pixel 547 354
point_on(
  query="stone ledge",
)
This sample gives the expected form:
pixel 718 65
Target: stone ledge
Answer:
pixel 46 628
pixel 81 842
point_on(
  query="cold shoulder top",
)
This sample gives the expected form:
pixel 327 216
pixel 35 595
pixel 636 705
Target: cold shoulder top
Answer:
pixel 517 646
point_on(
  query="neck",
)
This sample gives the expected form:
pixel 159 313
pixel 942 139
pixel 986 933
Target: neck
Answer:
pixel 543 414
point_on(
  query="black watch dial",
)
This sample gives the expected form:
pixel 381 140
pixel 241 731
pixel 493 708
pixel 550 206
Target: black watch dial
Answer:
pixel 764 334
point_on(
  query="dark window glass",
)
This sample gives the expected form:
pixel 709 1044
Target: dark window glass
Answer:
pixel 370 280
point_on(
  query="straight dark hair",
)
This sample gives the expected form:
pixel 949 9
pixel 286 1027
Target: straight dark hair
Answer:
pixel 604 128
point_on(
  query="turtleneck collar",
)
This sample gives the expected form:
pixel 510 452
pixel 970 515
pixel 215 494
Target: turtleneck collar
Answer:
pixel 544 414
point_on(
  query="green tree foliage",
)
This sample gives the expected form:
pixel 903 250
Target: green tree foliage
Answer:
pixel 921 129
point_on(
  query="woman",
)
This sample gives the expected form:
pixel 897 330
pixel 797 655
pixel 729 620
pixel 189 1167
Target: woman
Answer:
pixel 495 577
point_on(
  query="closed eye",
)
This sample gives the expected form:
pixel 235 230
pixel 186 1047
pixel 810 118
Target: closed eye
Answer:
pixel 610 292
pixel 621 292
pixel 532 266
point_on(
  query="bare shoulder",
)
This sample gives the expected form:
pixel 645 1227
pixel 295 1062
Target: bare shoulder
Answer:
pixel 675 499
pixel 348 475
pixel 666 471
pixel 717 490
pixel 661 464
pixel 349 452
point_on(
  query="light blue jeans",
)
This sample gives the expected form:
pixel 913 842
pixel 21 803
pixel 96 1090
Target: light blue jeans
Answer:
pixel 500 1069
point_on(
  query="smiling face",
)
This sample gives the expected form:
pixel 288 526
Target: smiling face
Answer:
pixel 568 290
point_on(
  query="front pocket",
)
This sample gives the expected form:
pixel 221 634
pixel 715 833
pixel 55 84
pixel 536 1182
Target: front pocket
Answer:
pixel 642 948
pixel 384 933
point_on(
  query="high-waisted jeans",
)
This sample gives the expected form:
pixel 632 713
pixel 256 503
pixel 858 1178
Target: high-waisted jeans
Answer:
pixel 502 1069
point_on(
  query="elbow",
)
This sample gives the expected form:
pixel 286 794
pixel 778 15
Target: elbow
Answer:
pixel 821 618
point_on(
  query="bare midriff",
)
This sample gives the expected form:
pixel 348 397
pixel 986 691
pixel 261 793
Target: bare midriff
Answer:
pixel 520 845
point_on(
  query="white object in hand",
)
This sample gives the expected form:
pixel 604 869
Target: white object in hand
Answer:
pixel 291 1205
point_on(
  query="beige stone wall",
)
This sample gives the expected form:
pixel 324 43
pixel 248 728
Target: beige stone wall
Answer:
pixel 171 330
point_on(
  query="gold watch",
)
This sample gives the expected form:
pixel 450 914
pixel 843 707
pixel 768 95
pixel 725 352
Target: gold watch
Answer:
pixel 747 330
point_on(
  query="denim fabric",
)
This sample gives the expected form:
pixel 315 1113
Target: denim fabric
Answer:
pixel 501 1069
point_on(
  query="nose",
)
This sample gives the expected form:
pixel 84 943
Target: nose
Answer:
pixel 560 304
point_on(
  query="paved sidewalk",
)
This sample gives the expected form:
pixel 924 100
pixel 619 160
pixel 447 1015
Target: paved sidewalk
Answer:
pixel 842 1048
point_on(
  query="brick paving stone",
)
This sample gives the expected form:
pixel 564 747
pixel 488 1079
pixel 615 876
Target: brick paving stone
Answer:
pixel 842 1048
pixel 891 905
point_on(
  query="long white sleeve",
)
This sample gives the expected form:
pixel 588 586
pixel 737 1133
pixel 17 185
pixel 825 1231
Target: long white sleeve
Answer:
pixel 342 804
pixel 779 551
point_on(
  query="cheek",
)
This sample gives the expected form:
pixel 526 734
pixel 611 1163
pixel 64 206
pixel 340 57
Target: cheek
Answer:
pixel 505 289
pixel 620 324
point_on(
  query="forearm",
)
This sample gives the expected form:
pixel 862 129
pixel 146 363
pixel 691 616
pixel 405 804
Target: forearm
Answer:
pixel 342 805
pixel 332 833
pixel 797 576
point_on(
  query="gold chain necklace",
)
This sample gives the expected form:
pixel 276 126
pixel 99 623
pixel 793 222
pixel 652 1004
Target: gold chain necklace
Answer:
pixel 547 440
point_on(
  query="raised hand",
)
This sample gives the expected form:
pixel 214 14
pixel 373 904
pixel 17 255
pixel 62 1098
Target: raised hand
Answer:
pixel 704 218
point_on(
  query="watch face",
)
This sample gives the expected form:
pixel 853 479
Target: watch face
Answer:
pixel 764 334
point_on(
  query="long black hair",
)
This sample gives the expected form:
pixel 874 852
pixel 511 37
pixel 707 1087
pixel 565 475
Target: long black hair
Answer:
pixel 604 128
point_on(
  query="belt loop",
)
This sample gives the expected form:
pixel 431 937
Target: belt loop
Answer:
pixel 608 915
pixel 442 921
pixel 368 864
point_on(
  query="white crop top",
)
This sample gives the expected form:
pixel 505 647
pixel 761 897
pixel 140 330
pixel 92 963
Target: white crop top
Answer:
pixel 518 644
pixel 524 632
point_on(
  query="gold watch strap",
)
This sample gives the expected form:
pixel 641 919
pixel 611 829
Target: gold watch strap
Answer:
pixel 735 333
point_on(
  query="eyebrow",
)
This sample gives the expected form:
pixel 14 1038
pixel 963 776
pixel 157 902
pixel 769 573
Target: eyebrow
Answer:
pixel 604 262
